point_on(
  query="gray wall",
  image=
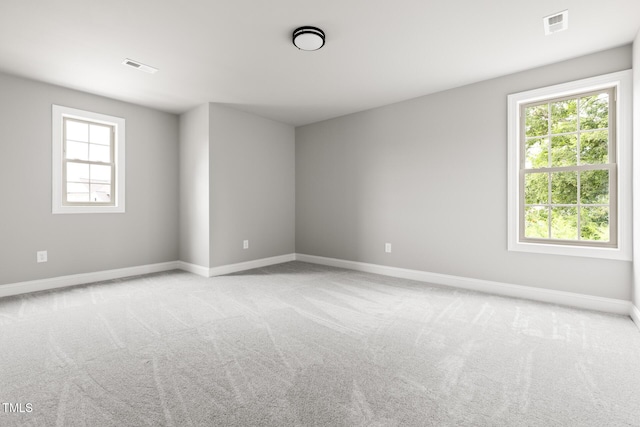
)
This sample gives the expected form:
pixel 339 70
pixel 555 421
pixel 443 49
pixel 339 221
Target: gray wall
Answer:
pixel 79 243
pixel 636 170
pixel 194 186
pixel 252 186
pixel 429 175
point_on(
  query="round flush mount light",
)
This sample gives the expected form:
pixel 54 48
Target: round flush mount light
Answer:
pixel 308 38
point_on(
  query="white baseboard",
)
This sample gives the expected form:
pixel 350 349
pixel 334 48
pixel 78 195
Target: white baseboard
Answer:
pixel 98 276
pixel 79 279
pixel 589 302
pixel 635 315
pixel 609 305
pixel 248 265
pixel 193 268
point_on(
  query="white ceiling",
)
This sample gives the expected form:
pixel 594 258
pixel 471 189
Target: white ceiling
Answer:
pixel 239 52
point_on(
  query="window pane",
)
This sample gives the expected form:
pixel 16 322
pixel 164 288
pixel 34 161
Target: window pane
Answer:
pixel 100 134
pixel 77 172
pixel 99 153
pixel 594 223
pixel 77 150
pixel 77 192
pixel 594 112
pixel 537 153
pixel 564 223
pixel 564 117
pixel 536 223
pixel 594 187
pixel 75 187
pixel 100 193
pixel 77 131
pixel 594 147
pixel 564 188
pixel 536 188
pixel 537 120
pixel 78 197
pixel 564 150
pixel 100 174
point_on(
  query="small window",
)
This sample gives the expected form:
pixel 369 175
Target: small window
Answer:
pixel 569 169
pixel 88 162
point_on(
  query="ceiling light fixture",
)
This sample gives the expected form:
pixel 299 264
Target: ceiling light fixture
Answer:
pixel 139 66
pixel 308 38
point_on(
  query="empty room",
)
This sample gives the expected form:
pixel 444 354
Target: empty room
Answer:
pixel 287 213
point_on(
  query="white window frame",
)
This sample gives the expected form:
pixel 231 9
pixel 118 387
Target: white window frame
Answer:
pixel 57 166
pixel 622 81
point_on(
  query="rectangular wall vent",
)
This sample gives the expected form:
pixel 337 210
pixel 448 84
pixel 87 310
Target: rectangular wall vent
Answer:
pixel 556 22
pixel 139 66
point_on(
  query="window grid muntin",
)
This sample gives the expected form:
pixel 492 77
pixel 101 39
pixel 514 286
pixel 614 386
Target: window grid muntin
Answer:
pixel 611 166
pixel 65 161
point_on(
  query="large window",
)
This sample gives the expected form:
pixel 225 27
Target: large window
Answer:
pixel 568 171
pixel 569 174
pixel 88 162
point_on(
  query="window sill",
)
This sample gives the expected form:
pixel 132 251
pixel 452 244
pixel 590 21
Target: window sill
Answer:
pixel 580 251
pixel 87 209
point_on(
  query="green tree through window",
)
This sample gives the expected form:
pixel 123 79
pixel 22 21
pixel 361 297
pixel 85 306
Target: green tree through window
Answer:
pixel 567 179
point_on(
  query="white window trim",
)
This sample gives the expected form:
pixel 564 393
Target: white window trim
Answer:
pixel 622 81
pixel 58 112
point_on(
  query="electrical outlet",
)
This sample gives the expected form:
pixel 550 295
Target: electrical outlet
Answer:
pixel 41 256
pixel 245 244
pixel 387 248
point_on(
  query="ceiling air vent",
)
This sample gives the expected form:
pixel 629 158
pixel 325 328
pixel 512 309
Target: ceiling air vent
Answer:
pixel 556 22
pixel 139 66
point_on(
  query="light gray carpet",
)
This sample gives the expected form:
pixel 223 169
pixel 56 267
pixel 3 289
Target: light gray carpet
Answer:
pixel 301 344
